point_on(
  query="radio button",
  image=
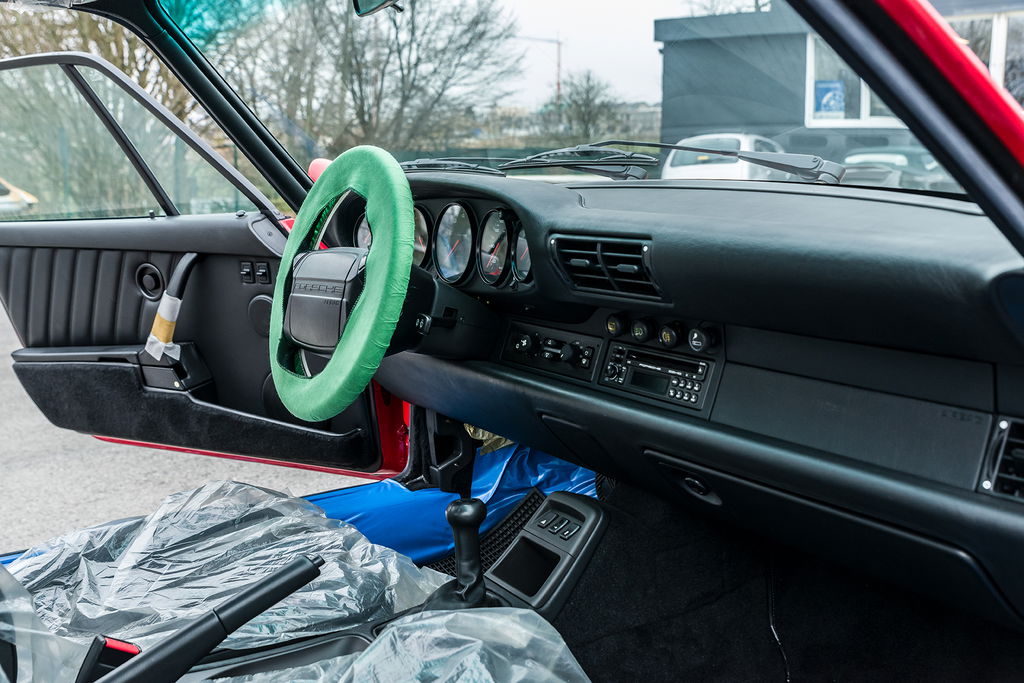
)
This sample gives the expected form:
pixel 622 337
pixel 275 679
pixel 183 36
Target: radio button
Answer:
pixel 696 386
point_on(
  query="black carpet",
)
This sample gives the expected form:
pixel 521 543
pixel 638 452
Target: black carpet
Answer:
pixel 671 596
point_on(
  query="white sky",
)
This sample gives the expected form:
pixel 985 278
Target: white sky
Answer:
pixel 613 38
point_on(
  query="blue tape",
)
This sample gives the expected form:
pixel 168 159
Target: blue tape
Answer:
pixel 413 523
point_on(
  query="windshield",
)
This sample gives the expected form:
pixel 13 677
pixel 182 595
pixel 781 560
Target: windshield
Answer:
pixel 500 79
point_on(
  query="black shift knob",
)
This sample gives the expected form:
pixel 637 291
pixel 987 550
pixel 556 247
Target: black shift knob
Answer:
pixel 465 516
pixel 466 512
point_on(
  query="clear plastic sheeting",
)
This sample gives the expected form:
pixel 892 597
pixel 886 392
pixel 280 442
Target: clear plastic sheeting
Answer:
pixel 141 579
pixel 503 645
pixel 40 655
pixel 29 5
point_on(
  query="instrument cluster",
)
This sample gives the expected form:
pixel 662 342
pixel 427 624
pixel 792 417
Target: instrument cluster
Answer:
pixel 462 242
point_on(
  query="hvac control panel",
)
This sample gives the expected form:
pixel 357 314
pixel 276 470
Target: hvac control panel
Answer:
pixel 564 353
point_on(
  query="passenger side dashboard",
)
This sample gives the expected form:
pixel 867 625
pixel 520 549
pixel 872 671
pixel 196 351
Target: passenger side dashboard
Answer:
pixel 855 377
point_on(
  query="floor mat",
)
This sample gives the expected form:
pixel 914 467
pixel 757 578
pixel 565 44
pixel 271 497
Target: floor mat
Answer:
pixel 672 596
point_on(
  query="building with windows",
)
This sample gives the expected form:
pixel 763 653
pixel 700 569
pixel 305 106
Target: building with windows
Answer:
pixel 804 97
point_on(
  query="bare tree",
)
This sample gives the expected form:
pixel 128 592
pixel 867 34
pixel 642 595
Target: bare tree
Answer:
pixel 23 33
pixel 588 107
pixel 409 81
pixel 699 8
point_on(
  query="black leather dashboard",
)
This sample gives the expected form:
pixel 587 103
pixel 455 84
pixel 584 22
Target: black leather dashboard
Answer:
pixel 863 364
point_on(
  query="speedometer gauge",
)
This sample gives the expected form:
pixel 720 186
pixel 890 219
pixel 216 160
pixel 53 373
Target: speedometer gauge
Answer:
pixel 362 237
pixel 422 237
pixel 493 252
pixel 521 259
pixel 453 244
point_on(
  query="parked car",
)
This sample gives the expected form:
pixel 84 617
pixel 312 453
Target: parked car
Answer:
pixel 697 165
pixel 14 200
pixel 910 167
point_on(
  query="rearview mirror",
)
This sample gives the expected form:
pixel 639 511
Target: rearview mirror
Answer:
pixel 367 7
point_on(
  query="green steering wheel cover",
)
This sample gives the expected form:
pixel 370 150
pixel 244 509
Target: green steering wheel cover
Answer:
pixel 374 174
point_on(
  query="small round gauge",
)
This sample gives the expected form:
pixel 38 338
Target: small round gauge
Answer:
pixel 493 252
pixel 521 260
pixel 362 237
pixel 453 243
pixel 422 238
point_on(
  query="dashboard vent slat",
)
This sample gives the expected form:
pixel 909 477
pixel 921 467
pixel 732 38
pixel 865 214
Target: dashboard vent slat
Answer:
pixel 616 266
pixel 1006 463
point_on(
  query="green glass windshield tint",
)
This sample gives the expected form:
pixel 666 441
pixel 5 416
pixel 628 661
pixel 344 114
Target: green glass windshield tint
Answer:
pixel 193 185
pixel 494 79
pixel 57 160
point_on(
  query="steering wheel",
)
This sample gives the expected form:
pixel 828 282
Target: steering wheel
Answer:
pixel 376 280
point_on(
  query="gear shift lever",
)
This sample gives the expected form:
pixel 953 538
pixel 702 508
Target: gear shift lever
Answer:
pixel 465 516
pixel 452 452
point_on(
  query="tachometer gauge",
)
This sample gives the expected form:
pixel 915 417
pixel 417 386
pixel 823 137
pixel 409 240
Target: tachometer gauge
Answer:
pixel 362 237
pixel 453 243
pixel 422 238
pixel 521 260
pixel 493 252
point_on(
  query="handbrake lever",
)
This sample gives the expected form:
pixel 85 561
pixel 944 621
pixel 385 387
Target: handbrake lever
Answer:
pixel 171 659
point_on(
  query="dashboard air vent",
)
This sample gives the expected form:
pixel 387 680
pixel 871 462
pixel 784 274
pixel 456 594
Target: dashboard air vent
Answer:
pixel 607 265
pixel 1005 473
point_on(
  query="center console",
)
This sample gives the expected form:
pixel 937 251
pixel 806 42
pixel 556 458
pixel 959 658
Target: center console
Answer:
pixel 543 563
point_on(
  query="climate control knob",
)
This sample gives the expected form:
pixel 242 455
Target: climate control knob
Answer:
pixel 524 343
pixel 611 371
pixel 567 353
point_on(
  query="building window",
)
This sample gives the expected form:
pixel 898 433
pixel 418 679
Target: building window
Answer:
pixel 836 97
pixel 998 40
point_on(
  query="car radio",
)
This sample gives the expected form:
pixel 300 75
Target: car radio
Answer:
pixel 678 379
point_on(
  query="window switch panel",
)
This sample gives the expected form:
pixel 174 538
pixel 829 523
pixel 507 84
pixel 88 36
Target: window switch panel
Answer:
pixel 247 273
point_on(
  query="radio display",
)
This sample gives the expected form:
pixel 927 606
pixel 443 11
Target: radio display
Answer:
pixel 654 383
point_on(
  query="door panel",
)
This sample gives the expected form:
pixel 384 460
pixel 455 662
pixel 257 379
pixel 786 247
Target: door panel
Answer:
pixel 78 297
pixel 72 285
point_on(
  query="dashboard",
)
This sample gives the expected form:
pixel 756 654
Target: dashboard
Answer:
pixel 838 368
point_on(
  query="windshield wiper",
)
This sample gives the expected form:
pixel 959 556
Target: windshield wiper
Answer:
pixel 448 164
pixel 806 166
pixel 598 159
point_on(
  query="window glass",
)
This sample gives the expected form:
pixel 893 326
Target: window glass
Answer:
pixel 836 87
pixel 977 33
pixel 194 186
pixel 682 158
pixel 499 79
pixel 878 158
pixel 51 30
pixel 57 160
pixel 1013 71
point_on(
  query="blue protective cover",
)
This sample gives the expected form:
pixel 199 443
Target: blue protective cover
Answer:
pixel 413 523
